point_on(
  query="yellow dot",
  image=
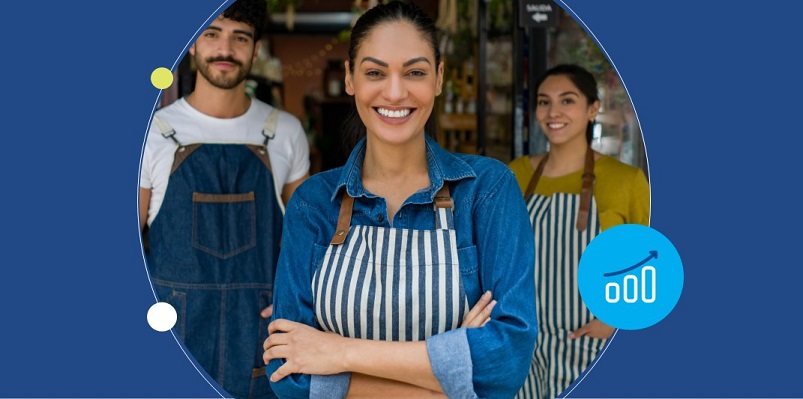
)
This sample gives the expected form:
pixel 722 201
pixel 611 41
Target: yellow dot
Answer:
pixel 161 78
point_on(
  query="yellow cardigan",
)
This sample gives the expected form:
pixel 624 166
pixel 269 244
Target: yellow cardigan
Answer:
pixel 620 190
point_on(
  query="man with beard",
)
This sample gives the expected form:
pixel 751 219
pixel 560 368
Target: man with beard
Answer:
pixel 217 169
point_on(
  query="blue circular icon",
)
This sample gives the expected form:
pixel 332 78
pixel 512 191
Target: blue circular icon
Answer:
pixel 630 276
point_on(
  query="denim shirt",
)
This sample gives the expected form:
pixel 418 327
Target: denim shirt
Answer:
pixel 495 251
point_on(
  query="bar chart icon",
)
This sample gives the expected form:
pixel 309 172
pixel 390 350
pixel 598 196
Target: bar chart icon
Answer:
pixel 624 282
pixel 629 288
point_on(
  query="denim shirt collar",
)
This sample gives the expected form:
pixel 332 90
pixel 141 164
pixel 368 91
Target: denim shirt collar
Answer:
pixel 441 164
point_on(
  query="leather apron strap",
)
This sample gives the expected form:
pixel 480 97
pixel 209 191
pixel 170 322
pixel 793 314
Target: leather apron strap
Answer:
pixel 344 220
pixel 586 191
pixel 443 200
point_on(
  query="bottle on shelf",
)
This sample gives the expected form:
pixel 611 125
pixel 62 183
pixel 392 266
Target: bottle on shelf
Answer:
pixel 448 98
pixel 334 78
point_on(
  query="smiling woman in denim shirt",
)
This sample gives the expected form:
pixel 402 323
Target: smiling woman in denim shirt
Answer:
pixel 381 258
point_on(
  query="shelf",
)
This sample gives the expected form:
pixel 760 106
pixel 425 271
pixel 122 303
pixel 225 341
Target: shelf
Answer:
pixel 457 121
pixel 458 132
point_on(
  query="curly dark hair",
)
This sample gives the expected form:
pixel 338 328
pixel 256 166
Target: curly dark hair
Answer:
pixel 251 12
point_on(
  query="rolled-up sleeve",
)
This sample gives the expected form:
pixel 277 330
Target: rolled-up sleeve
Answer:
pixel 450 357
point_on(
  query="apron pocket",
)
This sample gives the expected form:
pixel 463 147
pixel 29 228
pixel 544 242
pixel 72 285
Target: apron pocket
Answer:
pixel 223 225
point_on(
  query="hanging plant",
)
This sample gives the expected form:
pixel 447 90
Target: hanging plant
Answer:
pixel 457 35
pixel 500 15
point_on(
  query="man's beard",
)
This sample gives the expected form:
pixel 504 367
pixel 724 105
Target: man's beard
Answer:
pixel 218 79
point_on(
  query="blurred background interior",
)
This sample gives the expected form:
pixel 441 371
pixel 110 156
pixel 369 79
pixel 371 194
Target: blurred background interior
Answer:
pixel 492 49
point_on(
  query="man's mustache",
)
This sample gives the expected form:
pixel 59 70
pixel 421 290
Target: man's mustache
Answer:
pixel 224 59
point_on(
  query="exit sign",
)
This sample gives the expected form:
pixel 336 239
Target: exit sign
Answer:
pixel 537 13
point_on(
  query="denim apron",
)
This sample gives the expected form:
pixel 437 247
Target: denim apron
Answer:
pixel 563 225
pixel 213 252
pixel 391 284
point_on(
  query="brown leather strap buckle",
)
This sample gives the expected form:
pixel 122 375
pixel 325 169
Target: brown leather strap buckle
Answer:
pixel 443 199
pixel 343 220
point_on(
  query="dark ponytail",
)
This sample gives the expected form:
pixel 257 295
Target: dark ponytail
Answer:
pixel 353 129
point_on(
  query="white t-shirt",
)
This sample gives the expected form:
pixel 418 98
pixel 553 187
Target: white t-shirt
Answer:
pixel 288 150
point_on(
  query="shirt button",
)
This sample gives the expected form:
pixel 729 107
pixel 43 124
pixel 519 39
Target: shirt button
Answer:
pixel 380 218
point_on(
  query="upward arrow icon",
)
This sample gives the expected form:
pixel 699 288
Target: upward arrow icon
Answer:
pixel 653 255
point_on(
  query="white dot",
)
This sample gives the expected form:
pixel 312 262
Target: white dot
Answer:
pixel 162 316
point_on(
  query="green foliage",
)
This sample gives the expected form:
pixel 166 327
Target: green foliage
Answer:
pixel 500 15
pixel 280 6
pixel 580 49
pixel 587 54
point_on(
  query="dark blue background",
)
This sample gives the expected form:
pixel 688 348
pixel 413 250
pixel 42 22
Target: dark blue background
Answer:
pixel 716 86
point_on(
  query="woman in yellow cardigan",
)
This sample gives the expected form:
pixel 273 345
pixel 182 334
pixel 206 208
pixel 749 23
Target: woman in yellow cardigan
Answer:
pixel 572 194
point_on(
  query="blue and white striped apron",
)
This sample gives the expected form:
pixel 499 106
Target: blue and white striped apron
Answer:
pixel 390 284
pixel 563 226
